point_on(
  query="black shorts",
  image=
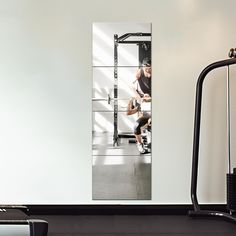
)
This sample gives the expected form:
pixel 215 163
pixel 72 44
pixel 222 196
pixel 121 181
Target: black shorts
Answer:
pixel 140 122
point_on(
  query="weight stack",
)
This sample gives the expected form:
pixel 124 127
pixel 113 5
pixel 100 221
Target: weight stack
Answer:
pixel 231 191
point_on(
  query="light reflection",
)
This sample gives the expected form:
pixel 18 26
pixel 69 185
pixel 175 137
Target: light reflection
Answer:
pixel 108 42
pixel 98 52
pixel 105 77
pixel 104 122
pixel 97 128
pixel 126 78
pixel 127 121
pixel 146 159
pixel 119 160
pixel 108 160
pixel 97 88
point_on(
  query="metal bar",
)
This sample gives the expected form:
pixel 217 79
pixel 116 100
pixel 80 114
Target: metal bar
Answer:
pixel 124 37
pixel 134 42
pixel 110 111
pixel 106 99
pixel 115 134
pixel 117 66
pixel 228 115
pixel 197 123
pixel 127 35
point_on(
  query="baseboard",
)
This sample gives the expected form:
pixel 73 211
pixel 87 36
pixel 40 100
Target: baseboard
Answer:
pixel 117 209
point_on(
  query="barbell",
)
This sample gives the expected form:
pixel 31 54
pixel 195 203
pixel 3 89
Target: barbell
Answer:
pixel 108 99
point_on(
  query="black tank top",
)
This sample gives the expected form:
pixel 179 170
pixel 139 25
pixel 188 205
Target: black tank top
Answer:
pixel 145 83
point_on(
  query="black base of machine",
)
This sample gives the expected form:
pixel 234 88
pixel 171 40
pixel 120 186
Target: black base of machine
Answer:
pixel 231 191
pixel 209 213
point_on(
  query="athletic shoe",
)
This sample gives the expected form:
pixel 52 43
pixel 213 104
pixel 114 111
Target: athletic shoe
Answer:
pixel 140 148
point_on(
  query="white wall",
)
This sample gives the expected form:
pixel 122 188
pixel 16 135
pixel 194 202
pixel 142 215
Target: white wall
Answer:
pixel 45 96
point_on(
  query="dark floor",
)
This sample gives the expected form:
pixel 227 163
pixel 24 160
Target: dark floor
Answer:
pixel 140 225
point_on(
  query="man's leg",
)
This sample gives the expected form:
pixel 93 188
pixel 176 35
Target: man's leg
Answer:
pixel 137 132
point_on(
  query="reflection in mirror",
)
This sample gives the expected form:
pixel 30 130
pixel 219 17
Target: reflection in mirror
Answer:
pixel 121 112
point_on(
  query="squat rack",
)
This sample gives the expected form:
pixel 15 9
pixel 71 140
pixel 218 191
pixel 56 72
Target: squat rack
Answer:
pixel 123 40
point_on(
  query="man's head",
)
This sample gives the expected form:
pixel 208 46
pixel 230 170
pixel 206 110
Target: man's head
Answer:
pixel 146 63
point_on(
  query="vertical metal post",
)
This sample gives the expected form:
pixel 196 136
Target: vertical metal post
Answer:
pixel 115 133
pixel 228 117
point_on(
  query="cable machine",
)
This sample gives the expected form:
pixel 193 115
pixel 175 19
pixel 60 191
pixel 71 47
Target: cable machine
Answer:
pixel 231 175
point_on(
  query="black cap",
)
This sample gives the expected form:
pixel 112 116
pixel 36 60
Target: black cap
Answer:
pixel 146 61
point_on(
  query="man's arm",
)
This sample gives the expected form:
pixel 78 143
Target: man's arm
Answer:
pixel 131 109
pixel 138 75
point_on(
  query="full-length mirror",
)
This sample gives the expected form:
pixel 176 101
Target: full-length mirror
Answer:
pixel 121 100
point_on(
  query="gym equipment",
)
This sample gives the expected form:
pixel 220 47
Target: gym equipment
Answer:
pixel 14 222
pixel 108 99
pixel 144 51
pixel 231 176
pixel 232 53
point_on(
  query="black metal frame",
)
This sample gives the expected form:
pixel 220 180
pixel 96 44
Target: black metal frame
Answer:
pixel 122 40
pixel 197 122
